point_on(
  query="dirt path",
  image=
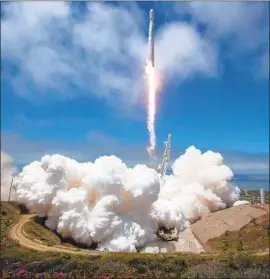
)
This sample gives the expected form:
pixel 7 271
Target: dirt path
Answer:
pixel 17 233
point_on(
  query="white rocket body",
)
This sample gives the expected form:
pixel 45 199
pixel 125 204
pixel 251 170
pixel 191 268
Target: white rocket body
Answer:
pixel 151 51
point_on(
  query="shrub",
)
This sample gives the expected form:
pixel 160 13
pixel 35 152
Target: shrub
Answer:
pixel 114 268
pixel 239 245
pixel 243 261
pixel 252 273
pixel 207 270
pixel 141 268
pixel 188 275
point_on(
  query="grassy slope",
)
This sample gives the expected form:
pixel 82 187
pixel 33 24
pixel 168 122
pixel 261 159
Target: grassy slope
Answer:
pixel 36 229
pixel 127 265
pixel 254 236
pixel 9 216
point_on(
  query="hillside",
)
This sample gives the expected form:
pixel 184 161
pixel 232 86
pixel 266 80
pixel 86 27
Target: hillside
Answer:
pixel 242 227
pixel 117 265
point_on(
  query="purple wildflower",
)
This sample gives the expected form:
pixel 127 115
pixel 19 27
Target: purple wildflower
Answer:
pixel 21 272
pixel 61 274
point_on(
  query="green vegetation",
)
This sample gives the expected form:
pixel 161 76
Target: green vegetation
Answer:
pixel 9 216
pixel 125 265
pixel 140 266
pixel 35 229
pixel 254 195
pixel 254 236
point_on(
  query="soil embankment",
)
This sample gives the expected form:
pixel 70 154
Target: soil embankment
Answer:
pixel 17 233
pixel 234 219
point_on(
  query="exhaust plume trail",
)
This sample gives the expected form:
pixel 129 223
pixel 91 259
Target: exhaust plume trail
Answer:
pixel 151 109
pixel 151 77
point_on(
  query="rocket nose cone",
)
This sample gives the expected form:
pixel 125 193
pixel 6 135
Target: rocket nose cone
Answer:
pixel 151 13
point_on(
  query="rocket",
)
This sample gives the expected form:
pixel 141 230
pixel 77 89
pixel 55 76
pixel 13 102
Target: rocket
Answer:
pixel 151 52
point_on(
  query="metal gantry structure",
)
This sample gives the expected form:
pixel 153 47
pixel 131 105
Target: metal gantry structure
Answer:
pixel 165 158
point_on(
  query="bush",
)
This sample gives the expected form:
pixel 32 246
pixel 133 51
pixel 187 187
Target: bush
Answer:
pixel 207 270
pixel 239 245
pixel 243 261
pixel 141 268
pixel 114 268
pixel 254 273
pixel 224 245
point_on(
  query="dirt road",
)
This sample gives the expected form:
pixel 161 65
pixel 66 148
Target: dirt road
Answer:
pixel 17 233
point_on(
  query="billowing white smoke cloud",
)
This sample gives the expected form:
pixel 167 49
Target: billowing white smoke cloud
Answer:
pixel 6 176
pixel 120 208
pixel 103 202
pixel 199 184
pixel 240 203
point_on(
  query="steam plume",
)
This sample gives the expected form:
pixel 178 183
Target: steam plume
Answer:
pixel 6 176
pixel 120 208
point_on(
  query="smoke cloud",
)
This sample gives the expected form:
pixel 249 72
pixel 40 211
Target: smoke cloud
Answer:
pixel 240 203
pixel 199 184
pixel 6 176
pixel 119 208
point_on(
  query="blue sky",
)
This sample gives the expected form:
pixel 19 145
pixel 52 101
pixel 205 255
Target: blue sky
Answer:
pixel 72 81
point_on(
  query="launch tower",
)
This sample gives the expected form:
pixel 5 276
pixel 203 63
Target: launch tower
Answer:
pixel 165 158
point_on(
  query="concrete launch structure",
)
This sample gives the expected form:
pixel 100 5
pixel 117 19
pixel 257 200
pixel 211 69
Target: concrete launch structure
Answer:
pixel 151 43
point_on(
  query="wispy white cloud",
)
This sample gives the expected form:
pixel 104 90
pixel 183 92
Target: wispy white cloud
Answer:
pixel 245 23
pixel 102 52
pixel 92 146
pixel 21 121
pixel 243 27
pixel 96 144
pixel 182 52
pixel 248 163
pixel 262 65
